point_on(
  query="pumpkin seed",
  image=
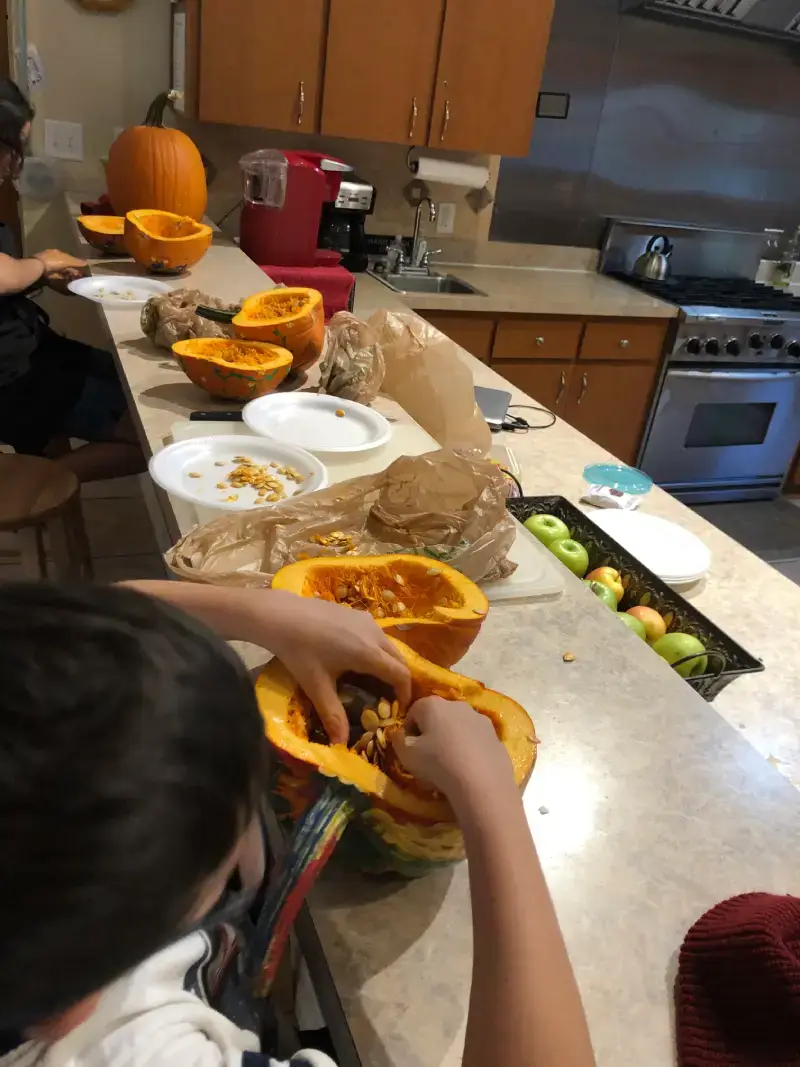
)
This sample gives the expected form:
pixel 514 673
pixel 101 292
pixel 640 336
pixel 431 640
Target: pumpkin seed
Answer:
pixel 341 592
pixel 339 413
pixel 399 579
pixel 371 748
pixel 384 708
pixel 220 463
pixel 194 474
pixel 380 737
pixel 395 708
pixel 370 720
pixel 399 607
pixel 432 571
pixel 380 613
pixel 387 595
pixel 568 657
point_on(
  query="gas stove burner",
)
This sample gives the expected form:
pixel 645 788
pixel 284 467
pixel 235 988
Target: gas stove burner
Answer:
pixel 736 293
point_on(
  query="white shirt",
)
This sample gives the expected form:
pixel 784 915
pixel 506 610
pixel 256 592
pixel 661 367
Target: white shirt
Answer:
pixel 148 1019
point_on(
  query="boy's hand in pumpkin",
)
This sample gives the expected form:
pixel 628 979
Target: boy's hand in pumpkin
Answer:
pixel 319 641
pixel 454 748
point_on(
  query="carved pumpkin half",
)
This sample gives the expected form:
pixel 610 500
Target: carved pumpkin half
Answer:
pixel 428 605
pixel 291 318
pixel 233 370
pixel 164 243
pixel 400 825
pixel 104 232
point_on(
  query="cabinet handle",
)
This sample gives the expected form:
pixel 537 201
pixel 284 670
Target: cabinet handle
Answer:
pixel 301 96
pixel 414 115
pixel 562 385
pixel 624 343
pixel 446 120
pixel 584 387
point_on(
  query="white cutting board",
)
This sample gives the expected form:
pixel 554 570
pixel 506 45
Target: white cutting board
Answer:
pixel 537 573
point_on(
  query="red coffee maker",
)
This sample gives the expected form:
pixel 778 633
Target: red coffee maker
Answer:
pixel 283 197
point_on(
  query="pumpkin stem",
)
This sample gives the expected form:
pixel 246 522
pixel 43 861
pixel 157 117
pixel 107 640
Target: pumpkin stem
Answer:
pixel 155 113
pixel 314 839
pixel 217 314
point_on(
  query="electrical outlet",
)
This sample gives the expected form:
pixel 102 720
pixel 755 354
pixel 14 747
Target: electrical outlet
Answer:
pixel 447 219
pixel 63 140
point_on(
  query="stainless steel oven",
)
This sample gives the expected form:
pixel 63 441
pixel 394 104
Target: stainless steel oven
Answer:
pixel 723 433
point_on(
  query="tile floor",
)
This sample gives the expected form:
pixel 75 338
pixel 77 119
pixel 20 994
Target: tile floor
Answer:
pixel 120 533
pixel 770 529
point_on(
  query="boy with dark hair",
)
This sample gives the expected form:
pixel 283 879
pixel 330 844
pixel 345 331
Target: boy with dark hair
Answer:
pixel 130 772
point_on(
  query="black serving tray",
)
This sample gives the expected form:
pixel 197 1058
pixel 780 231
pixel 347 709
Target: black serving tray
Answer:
pixel 727 660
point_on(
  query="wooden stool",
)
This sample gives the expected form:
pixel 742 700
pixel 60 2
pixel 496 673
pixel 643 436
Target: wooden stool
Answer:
pixel 38 496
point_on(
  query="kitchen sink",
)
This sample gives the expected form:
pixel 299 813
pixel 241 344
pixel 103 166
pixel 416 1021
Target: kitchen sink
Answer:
pixel 428 283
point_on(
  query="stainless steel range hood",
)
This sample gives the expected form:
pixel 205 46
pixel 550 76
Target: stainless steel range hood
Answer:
pixel 779 19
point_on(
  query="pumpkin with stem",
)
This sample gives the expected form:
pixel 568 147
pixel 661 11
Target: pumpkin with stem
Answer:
pixel 396 823
pixel 293 318
pixel 164 243
pixel 231 369
pixel 427 604
pixel 153 166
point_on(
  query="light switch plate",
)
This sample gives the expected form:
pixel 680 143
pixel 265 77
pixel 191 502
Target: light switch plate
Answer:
pixel 446 219
pixel 63 140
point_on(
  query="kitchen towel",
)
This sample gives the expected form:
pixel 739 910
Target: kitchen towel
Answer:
pixel 448 173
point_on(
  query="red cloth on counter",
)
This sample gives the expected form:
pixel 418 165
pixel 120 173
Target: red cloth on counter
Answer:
pixel 737 995
pixel 334 282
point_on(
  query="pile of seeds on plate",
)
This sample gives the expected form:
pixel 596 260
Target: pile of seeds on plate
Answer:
pixel 249 474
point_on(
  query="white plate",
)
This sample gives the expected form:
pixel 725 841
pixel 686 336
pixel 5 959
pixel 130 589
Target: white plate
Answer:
pixel 671 552
pixel 173 467
pixel 118 290
pixel 309 420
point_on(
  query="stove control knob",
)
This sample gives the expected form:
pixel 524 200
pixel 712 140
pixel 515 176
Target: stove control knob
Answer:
pixel 733 348
pixel 777 341
pixel 756 340
pixel 712 346
pixel 793 349
pixel 693 346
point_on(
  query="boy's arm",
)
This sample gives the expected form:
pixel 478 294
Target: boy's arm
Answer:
pixel 314 639
pixel 525 1007
pixel 17 275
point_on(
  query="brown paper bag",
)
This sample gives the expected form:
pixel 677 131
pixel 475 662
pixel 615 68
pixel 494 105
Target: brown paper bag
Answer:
pixel 352 366
pixel 442 505
pixel 426 375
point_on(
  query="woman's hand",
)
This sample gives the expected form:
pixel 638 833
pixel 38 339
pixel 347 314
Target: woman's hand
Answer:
pixel 319 641
pixel 57 262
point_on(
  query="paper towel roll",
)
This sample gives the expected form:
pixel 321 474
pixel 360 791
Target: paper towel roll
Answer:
pixel 448 173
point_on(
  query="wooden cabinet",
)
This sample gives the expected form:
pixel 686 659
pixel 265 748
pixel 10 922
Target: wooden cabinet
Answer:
pixel 526 337
pixel 490 70
pixel 547 383
pixel 609 403
pixel 475 333
pixel 380 69
pixel 642 341
pixel 261 63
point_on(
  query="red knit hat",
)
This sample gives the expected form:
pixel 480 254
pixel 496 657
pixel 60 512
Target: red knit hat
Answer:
pixel 738 989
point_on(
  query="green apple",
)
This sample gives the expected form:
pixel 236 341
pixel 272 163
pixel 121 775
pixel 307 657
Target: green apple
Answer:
pixel 602 592
pixel 572 554
pixel 674 647
pixel 634 624
pixel 547 528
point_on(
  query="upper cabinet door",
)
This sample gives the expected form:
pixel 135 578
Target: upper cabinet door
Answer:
pixel 261 63
pixel 490 70
pixel 380 69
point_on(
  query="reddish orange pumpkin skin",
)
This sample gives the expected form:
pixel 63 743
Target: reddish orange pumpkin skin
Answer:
pixel 157 168
pixel 303 334
pixel 230 381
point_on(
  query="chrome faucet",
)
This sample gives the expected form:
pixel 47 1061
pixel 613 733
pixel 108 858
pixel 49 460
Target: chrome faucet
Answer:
pixel 417 252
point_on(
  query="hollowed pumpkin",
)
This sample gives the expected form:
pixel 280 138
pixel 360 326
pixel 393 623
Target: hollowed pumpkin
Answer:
pixel 164 243
pixel 155 167
pixel 104 232
pixel 400 824
pixel 441 610
pixel 233 370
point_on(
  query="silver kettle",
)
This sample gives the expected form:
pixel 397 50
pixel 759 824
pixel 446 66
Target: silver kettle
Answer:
pixel 653 263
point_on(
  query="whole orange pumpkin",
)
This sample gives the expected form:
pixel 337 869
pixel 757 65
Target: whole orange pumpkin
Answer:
pixel 158 168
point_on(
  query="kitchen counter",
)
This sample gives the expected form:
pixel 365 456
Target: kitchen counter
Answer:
pixel 648 805
pixel 539 291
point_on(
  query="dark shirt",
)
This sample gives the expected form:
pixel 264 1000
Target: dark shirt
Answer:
pixel 22 323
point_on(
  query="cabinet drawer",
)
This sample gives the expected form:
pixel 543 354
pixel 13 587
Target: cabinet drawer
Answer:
pixel 643 341
pixel 546 383
pixel 473 332
pixel 521 338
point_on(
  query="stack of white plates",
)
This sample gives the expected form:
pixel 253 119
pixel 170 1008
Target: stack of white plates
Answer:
pixel 674 554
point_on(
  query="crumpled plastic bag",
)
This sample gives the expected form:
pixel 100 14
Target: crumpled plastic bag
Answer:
pixel 352 366
pixel 172 317
pixel 426 375
pixel 443 505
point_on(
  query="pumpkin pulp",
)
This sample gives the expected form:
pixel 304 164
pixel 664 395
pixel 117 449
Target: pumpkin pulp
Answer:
pixel 291 317
pixel 427 604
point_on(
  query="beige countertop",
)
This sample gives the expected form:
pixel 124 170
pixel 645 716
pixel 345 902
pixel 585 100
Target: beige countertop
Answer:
pixel 648 804
pixel 540 291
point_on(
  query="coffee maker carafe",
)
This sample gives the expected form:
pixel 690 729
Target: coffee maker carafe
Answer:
pixel 284 193
pixel 342 227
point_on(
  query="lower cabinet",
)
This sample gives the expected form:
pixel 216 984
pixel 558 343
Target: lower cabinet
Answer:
pixel 475 333
pixel 547 383
pixel 609 403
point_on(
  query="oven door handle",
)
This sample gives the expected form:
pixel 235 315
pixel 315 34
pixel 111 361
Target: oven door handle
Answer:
pixel 734 375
